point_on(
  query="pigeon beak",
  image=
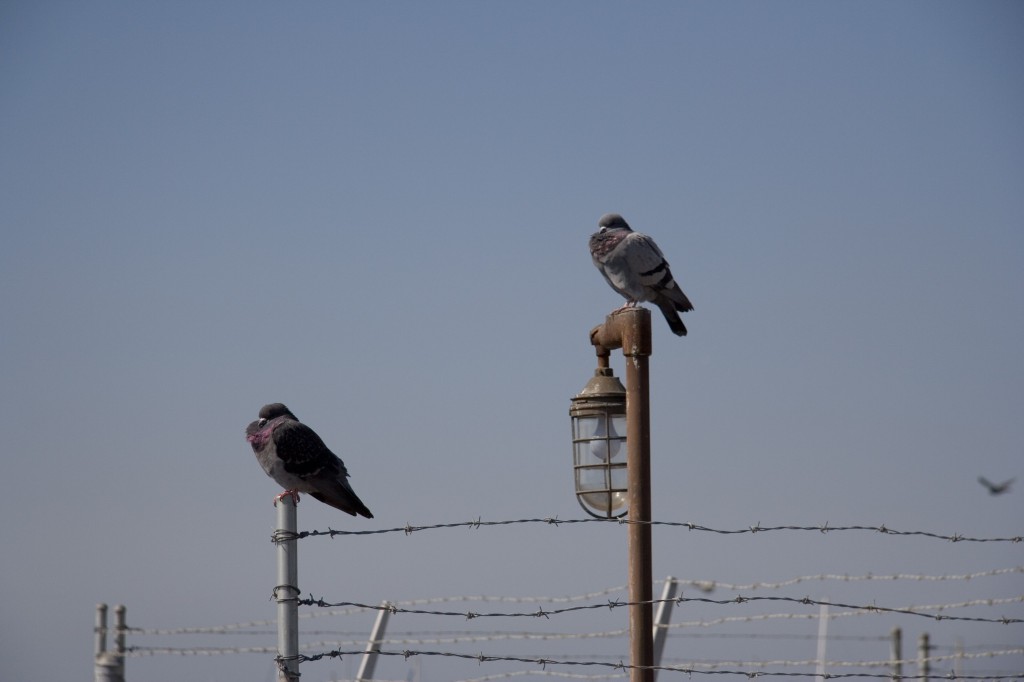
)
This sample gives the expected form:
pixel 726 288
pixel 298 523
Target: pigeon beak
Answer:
pixel 263 420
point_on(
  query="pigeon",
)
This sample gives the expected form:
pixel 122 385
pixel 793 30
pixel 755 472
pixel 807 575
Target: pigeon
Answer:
pixel 633 265
pixel 293 455
pixel 996 488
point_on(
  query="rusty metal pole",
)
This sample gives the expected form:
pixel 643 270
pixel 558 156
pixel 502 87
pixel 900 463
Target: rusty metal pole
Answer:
pixel 630 330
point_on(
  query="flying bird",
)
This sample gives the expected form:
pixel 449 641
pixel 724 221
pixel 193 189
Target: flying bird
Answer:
pixel 996 488
pixel 633 265
pixel 293 455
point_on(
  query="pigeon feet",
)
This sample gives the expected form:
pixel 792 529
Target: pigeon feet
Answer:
pixel 294 494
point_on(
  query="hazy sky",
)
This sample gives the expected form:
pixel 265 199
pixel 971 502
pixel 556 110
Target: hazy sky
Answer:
pixel 377 213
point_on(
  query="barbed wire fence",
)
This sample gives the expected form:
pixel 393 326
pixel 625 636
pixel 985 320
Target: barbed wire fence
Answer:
pixel 561 617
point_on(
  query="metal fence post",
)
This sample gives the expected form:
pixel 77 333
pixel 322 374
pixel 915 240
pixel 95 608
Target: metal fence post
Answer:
pixel 661 619
pixel 897 654
pixel 108 666
pixel 287 591
pixel 369 662
pixel 924 668
pixel 120 631
pixel 822 641
pixel 101 629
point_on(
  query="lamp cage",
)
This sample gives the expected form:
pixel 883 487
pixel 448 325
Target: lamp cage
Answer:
pixel 598 416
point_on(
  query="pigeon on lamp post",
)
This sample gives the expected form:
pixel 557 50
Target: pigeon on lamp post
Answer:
pixel 633 265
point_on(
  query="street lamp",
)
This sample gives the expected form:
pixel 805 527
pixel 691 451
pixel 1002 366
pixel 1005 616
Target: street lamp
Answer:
pixel 598 415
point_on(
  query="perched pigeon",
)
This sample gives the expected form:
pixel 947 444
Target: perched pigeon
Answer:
pixel 633 265
pixel 995 488
pixel 293 455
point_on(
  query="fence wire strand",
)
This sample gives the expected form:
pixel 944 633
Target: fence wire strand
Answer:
pixel 614 603
pixel 409 529
pixel 622 666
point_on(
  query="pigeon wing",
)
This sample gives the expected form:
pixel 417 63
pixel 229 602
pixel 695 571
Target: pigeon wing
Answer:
pixel 305 456
pixel 303 453
pixel 642 254
pixel 647 263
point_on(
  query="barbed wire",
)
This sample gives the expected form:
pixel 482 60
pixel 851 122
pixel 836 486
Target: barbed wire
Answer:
pixel 888 663
pixel 547 673
pixel 395 607
pixel 143 651
pixel 708 585
pixel 783 663
pixel 612 604
pixel 463 636
pixel 622 666
pixel 711 622
pixel 746 668
pixel 356 638
pixel 703 585
pixel 467 637
pixel 612 676
pixel 474 638
pixel 409 529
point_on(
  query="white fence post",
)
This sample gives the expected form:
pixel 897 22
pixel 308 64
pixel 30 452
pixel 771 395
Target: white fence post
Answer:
pixel 108 666
pixel 822 641
pixel 662 616
pixel 924 649
pixel 287 591
pixel 369 662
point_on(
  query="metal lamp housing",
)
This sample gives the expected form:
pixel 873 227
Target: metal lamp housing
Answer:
pixel 599 446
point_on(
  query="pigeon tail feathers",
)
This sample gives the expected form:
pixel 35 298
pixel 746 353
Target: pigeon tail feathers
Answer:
pixel 346 502
pixel 678 299
pixel 668 309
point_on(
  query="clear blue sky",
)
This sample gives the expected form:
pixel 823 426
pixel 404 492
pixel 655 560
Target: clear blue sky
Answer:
pixel 378 214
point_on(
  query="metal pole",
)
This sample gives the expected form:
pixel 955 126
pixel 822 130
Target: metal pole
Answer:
pixel 108 668
pixel 369 662
pixel 923 663
pixel 638 458
pixel 897 654
pixel 629 329
pixel 822 640
pixel 120 630
pixel 102 662
pixel 287 591
pixel 101 628
pixel 108 665
pixel 661 618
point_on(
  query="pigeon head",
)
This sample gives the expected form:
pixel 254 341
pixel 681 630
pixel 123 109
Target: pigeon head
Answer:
pixel 275 410
pixel 613 221
pixel 256 434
